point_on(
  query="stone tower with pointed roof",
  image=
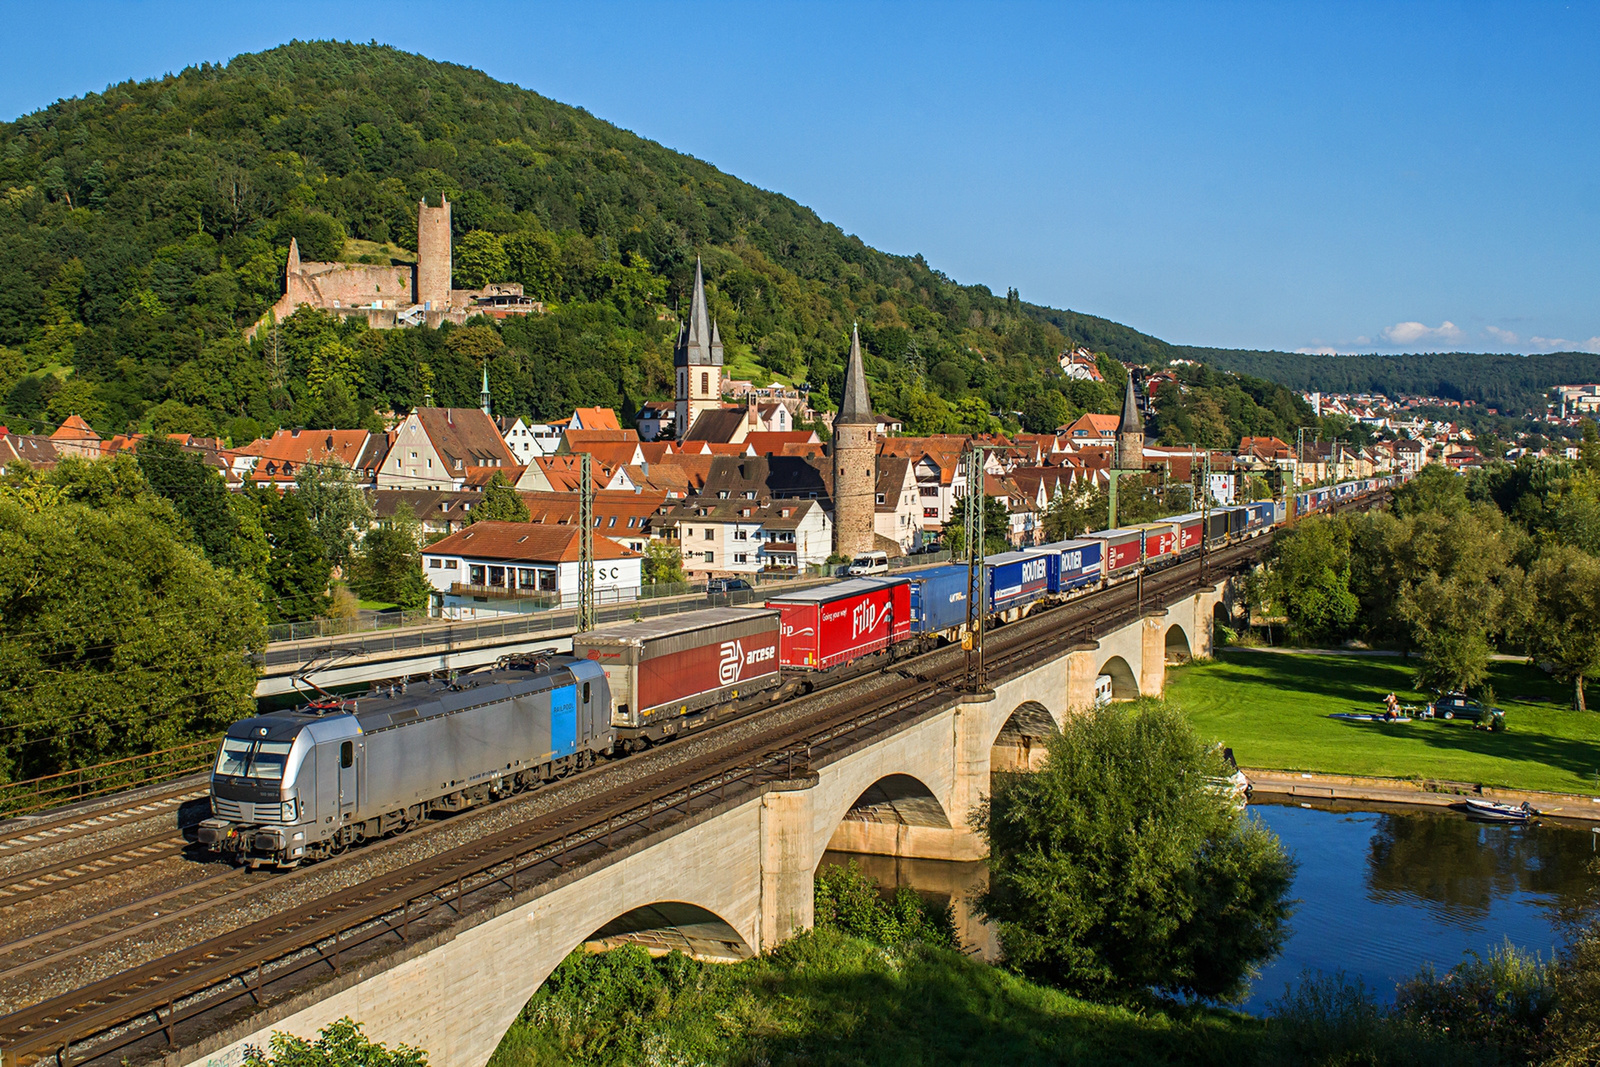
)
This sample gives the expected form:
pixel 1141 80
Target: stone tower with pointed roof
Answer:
pixel 697 360
pixel 855 461
pixel 1130 433
pixel 483 397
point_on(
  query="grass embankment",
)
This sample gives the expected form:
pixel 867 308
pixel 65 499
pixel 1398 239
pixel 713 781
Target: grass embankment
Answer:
pixel 829 998
pixel 1272 708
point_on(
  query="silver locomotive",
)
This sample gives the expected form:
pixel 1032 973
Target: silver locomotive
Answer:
pixel 299 785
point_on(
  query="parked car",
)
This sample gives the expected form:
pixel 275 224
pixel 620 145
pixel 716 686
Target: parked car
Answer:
pixel 724 591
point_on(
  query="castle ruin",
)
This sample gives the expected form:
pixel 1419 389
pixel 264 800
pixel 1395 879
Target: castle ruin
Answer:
pixel 398 295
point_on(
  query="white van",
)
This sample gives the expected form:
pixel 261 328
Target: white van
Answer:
pixel 1102 691
pixel 869 563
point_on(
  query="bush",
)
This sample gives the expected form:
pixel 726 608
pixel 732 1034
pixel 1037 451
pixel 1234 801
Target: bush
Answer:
pixel 1328 1020
pixel 340 1044
pixel 848 901
pixel 1501 1003
pixel 1119 868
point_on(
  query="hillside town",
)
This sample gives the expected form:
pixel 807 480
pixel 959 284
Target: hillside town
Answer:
pixel 724 479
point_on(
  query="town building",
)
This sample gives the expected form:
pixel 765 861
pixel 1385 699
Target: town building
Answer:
pixel 496 568
pixel 448 449
pixel 1130 432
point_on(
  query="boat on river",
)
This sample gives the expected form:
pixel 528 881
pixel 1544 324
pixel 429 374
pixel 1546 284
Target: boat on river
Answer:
pixel 1495 811
pixel 1367 716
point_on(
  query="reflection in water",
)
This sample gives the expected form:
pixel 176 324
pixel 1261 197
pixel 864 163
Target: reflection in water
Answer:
pixel 1382 892
pixel 940 881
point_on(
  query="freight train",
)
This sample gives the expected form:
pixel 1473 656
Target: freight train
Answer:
pixel 300 785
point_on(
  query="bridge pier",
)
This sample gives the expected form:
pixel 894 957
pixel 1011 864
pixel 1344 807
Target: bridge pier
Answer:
pixel 1153 654
pixel 788 861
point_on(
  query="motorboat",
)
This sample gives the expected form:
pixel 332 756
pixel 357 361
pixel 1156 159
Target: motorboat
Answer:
pixel 1495 811
pixel 1367 716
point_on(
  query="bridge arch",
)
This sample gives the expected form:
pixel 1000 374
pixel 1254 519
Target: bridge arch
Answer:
pixel 1179 649
pixel 1124 683
pixel 899 799
pixel 674 924
pixel 1020 743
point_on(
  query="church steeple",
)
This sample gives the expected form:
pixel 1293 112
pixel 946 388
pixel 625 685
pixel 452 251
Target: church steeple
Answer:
pixel 483 397
pixel 854 407
pixel 697 360
pixel 699 341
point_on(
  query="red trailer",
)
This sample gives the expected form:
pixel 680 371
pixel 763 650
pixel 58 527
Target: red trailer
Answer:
pixel 660 669
pixel 836 623
pixel 1124 548
pixel 1160 540
pixel 1191 532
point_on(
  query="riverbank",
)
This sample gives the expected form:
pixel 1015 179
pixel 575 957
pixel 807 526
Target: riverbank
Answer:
pixel 1272 709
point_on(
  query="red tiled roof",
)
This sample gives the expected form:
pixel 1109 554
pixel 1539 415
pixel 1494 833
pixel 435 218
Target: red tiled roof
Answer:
pixel 523 542
pixel 597 418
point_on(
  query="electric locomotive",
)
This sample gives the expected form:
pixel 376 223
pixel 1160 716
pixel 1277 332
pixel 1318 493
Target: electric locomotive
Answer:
pixel 300 785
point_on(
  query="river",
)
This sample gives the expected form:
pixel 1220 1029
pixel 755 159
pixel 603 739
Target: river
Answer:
pixel 1383 890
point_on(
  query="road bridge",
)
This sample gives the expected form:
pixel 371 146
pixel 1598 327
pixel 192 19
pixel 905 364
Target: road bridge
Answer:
pixel 733 876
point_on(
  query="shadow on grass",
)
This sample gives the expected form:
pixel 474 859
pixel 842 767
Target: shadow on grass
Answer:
pixel 935 1012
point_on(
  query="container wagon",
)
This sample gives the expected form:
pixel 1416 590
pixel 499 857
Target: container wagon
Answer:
pixel 1016 579
pixel 677 671
pixel 1160 542
pixel 833 624
pixel 1123 549
pixel 1191 532
pixel 1258 515
pixel 938 598
pixel 1077 564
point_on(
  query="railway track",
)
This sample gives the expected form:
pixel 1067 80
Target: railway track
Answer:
pixel 34 832
pixel 263 959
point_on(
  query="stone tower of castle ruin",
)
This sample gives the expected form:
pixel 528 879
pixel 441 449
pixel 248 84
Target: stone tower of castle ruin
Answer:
pixel 433 255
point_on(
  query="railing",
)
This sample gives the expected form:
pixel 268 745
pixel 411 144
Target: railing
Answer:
pixel 508 622
pixel 368 622
pixel 84 783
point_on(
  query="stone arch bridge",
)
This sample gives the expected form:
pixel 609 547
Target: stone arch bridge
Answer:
pixel 737 880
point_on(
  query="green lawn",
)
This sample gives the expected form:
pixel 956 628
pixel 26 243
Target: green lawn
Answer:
pixel 1272 709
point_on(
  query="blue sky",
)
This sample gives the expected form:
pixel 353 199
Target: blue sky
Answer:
pixel 1350 177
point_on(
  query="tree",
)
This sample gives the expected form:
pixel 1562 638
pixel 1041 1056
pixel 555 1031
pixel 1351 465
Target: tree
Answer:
pixel 1564 622
pixel 297 586
pixel 199 494
pixel 479 258
pixel 389 565
pixel 500 503
pixel 1118 868
pixel 338 510
pixel 996 527
pixel 1309 580
pixel 663 562
pixel 339 1044
pixel 116 635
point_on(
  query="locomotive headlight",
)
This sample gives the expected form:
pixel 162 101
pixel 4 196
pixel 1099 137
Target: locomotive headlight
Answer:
pixel 288 811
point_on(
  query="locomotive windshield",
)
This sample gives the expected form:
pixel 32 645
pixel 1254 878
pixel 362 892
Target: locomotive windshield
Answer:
pixel 244 758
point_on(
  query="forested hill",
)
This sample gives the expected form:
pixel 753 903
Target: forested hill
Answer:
pixel 1512 383
pixel 147 225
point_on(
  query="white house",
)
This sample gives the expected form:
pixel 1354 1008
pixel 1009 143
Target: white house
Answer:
pixel 528 440
pixel 496 568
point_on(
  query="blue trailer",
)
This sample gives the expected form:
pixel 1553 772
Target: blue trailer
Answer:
pixel 1259 515
pixel 1016 578
pixel 938 597
pixel 1073 564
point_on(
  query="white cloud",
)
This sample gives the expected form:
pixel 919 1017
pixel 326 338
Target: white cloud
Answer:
pixel 1561 344
pixel 1505 337
pixel 1324 350
pixel 1409 333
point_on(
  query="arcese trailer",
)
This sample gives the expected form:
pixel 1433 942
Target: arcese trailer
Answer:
pixel 663 669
